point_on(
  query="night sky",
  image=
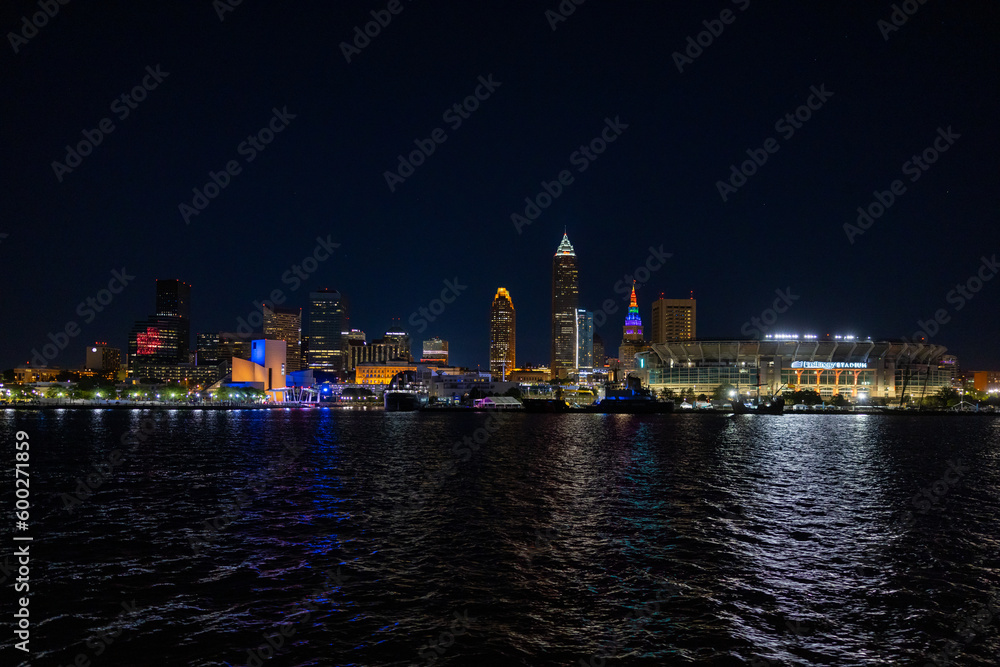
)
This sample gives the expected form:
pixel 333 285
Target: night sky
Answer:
pixel 323 175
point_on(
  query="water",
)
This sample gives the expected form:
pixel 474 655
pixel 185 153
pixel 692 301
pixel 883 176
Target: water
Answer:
pixel 387 540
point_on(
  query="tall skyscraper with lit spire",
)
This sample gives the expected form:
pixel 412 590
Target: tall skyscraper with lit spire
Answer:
pixel 502 335
pixel 633 341
pixel 565 297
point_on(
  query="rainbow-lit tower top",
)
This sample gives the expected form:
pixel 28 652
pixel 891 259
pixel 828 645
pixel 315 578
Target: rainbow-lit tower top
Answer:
pixel 633 323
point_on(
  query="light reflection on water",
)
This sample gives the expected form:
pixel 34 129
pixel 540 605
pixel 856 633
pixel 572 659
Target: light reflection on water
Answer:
pixel 783 539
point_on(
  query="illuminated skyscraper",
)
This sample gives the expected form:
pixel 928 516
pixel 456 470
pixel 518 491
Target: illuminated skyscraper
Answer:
pixel 173 299
pixel 584 341
pixel 281 323
pixel 502 335
pixel 633 341
pixel 565 294
pixel 674 319
pixel 327 347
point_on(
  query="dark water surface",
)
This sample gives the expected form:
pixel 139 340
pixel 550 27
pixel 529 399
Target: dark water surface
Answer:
pixel 659 540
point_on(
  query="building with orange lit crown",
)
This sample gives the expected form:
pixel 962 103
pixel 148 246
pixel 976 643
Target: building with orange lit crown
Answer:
pixel 565 297
pixel 633 341
pixel 502 335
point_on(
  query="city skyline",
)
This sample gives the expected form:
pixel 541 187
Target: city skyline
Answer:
pixel 606 165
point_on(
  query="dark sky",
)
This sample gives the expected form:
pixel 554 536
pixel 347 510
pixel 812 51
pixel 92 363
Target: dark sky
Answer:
pixel 655 185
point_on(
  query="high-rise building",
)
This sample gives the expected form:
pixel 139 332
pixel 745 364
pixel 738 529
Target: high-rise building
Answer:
pixel 327 347
pixel 633 341
pixel 502 335
pixel 599 355
pixel 103 359
pixel 401 340
pixel 674 319
pixel 158 339
pixel 584 341
pixel 378 351
pixel 207 349
pixel 283 323
pixel 435 352
pixel 565 294
pixel 173 299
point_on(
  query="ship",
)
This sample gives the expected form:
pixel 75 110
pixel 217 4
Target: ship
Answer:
pixel 404 393
pixel 632 400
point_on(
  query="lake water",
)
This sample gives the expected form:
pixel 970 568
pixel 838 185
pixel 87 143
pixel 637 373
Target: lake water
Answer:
pixel 375 538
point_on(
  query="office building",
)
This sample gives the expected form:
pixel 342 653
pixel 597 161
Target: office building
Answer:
pixel 600 357
pixel 673 319
pixel 327 347
pixel 401 340
pixel 565 294
pixel 435 352
pixel 502 335
pixel 158 339
pixel 284 323
pixel 173 299
pixel 584 341
pixel 103 359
